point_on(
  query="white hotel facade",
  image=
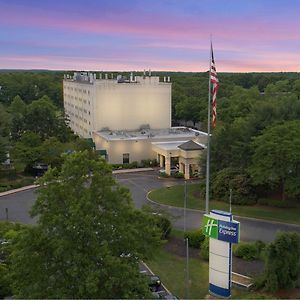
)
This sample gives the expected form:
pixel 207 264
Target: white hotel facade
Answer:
pixel 130 120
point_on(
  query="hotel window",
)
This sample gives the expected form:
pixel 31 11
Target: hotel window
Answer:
pixel 125 158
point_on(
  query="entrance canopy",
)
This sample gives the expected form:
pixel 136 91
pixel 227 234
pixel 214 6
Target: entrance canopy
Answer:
pixel 187 152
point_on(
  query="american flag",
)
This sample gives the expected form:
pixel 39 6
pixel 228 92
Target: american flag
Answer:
pixel 215 86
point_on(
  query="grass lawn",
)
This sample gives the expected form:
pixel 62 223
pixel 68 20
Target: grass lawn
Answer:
pixel 15 182
pixel 174 196
pixel 171 268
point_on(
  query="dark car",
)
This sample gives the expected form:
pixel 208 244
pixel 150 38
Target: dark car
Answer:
pixel 154 282
pixel 163 295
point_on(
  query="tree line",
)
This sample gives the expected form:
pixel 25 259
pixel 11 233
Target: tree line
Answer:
pixel 255 146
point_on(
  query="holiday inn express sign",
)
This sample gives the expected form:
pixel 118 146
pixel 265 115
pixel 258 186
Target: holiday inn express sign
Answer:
pixel 221 230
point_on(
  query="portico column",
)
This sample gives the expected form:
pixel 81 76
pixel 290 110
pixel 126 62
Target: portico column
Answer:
pixel 168 165
pixel 181 167
pixel 187 171
pixel 161 160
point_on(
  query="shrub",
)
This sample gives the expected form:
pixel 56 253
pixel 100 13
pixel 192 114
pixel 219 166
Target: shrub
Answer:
pixel 8 174
pixel 164 225
pixel 178 175
pixel 204 249
pixel 196 237
pixel 164 174
pixel 116 166
pixel 134 165
pixel 27 181
pixel 247 251
pixel 145 163
pixel 282 268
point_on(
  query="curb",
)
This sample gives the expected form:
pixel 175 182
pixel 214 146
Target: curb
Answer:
pixel 153 274
pixel 202 211
pixel 24 188
pixel 33 186
pixel 132 170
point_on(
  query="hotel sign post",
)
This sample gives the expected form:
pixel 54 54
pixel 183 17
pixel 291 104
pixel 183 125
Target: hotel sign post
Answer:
pixel 222 231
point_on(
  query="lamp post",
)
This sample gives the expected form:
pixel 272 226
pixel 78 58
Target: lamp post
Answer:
pixel 187 244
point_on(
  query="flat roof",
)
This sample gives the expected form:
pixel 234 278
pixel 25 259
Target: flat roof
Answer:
pixel 175 145
pixel 142 134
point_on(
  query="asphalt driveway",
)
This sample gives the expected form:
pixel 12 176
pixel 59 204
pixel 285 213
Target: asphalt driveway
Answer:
pixel 139 184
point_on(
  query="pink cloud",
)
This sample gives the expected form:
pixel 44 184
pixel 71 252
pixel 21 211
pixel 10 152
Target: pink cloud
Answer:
pixel 169 27
pixel 94 63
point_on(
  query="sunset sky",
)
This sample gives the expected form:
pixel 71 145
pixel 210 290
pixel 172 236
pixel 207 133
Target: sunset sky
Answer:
pixel 170 35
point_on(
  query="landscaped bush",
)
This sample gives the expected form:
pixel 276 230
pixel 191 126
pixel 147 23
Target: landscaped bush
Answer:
pixel 146 163
pixel 282 264
pixel 196 237
pixel 204 249
pixel 248 251
pixel 164 225
pixel 135 164
pixel 116 166
pixel 15 184
pixel 164 174
pixel 8 174
pixel 178 175
pixel 275 203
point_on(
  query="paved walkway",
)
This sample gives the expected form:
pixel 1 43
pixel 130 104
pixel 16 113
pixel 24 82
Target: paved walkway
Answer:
pixel 22 189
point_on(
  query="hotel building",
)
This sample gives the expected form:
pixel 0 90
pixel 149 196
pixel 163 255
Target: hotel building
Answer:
pixel 130 120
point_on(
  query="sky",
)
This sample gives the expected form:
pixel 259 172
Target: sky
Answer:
pixel 166 35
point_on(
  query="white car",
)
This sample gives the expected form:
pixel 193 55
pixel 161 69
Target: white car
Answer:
pixel 173 170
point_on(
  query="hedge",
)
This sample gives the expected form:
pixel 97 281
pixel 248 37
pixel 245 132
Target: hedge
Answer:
pixel 196 237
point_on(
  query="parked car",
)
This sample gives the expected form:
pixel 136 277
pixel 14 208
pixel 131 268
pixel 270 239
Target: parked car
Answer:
pixel 154 282
pixel 173 170
pixel 163 295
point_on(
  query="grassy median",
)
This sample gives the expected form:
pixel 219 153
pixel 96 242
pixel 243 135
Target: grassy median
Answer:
pixel 171 269
pixel 174 196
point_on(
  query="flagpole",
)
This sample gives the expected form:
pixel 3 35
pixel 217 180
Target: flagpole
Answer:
pixel 208 135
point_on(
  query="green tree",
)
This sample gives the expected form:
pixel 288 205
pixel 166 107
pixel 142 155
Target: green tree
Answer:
pixel 51 152
pixel 276 158
pixel 40 118
pixel 282 268
pixel 5 121
pixel 17 110
pixel 17 106
pixel 188 109
pixel 238 181
pixel 27 150
pixel 8 232
pixel 89 239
